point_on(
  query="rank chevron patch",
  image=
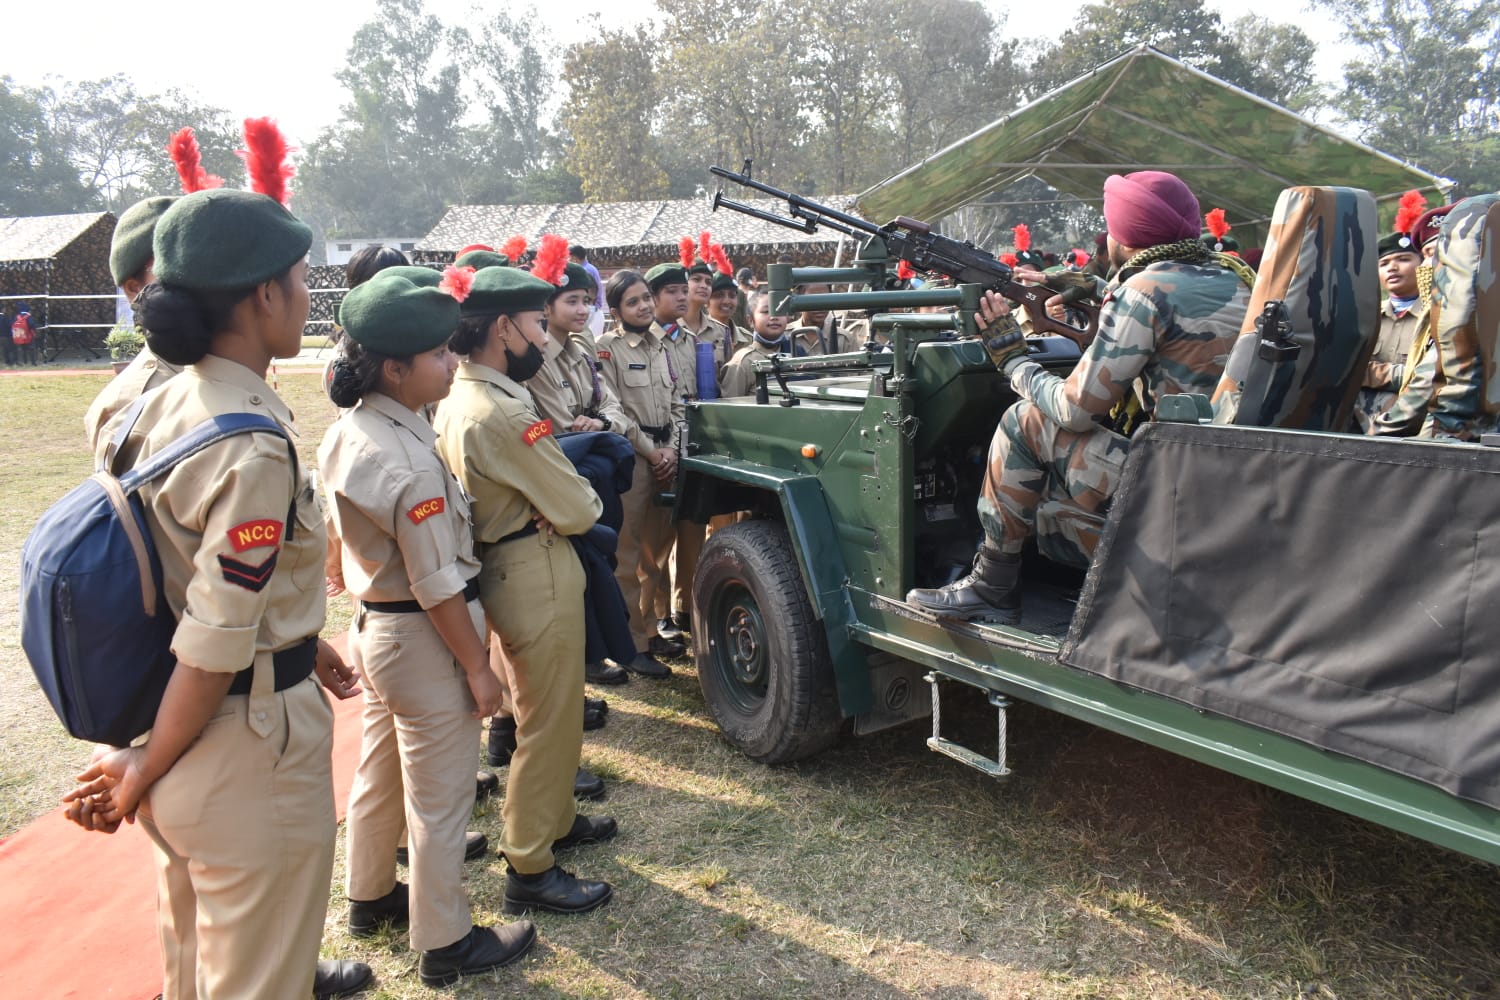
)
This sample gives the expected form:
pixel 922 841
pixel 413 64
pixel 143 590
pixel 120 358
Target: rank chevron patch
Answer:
pixel 245 575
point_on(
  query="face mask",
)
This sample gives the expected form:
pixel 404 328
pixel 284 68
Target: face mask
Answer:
pixel 521 367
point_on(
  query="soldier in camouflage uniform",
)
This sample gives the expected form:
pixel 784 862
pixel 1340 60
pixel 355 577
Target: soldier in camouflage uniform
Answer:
pixel 1166 326
pixel 1446 393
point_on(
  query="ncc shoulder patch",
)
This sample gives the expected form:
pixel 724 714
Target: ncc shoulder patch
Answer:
pixel 255 534
pixel 537 431
pixel 245 575
pixel 604 355
pixel 422 511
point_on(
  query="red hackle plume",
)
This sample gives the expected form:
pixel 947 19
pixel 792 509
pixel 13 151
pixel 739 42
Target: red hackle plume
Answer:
pixel 685 251
pixel 183 147
pixel 905 271
pixel 705 240
pixel 514 249
pixel 1413 204
pixel 1009 259
pixel 1081 258
pixel 551 259
pixel 1217 224
pixel 720 259
pixel 474 246
pixel 457 281
pixel 265 155
pixel 1023 237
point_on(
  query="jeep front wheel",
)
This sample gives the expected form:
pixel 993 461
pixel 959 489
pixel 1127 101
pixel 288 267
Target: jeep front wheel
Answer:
pixel 762 656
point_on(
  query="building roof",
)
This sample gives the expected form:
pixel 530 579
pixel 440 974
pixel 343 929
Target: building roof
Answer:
pixel 40 237
pixel 1145 110
pixel 641 227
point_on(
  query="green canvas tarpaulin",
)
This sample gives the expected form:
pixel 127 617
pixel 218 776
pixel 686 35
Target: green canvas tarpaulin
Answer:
pixel 1147 111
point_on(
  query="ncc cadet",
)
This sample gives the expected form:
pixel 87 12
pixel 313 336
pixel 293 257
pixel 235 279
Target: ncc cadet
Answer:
pixel 700 279
pixel 1169 320
pixel 234 785
pixel 816 331
pixel 1399 257
pixel 418 637
pixel 672 290
pixel 769 338
pixel 635 366
pixel 723 331
pixel 527 500
pixel 571 393
pixel 130 265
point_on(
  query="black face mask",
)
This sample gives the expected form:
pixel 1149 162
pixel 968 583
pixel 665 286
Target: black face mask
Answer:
pixel 522 367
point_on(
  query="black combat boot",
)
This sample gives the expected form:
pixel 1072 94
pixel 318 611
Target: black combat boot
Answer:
pixel 502 741
pixel 991 590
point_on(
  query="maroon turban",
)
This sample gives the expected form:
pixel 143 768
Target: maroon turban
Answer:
pixel 1149 208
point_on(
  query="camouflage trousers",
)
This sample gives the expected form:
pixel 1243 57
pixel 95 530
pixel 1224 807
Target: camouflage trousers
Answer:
pixel 1049 482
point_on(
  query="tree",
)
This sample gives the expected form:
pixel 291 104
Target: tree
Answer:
pixel 1183 29
pixel 1426 86
pixel 609 114
pixel 1274 61
pixel 511 65
pixel 36 177
pixel 841 41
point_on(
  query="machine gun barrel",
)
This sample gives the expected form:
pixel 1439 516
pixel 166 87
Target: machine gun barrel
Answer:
pixel 810 212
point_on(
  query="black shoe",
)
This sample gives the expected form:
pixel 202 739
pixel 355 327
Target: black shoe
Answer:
pixel 992 589
pixel 592 717
pixel 595 705
pixel 502 741
pixel 339 978
pixel 367 916
pixel 587 830
pixel 587 785
pixel 475 844
pixel 554 890
pixel 486 783
pixel 480 950
pixel 647 665
pixel 660 646
pixel 604 672
pixel 667 629
pixel 683 622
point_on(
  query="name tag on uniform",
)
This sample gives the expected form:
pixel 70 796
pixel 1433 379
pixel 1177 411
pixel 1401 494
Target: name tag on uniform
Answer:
pixel 637 367
pixel 564 384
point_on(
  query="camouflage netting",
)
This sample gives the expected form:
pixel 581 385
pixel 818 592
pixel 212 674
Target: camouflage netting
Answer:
pixel 45 258
pixel 1145 110
pixel 631 234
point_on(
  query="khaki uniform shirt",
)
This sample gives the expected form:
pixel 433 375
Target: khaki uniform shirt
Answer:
pixel 682 359
pixel 805 341
pixel 145 372
pixel 401 516
pixel 739 377
pixel 636 369
pixel 1393 342
pixel 570 385
pixel 507 459
pixel 238 578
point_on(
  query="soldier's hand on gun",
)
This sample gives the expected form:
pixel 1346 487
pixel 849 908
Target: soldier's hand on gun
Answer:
pixel 1003 337
pixel 992 306
pixel 340 679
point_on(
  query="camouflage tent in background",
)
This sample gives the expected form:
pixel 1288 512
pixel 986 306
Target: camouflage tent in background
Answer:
pixel 59 266
pixel 1147 111
pixel 633 234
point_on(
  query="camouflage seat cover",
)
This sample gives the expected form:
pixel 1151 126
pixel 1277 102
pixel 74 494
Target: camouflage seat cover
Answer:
pixel 1466 318
pixel 1320 261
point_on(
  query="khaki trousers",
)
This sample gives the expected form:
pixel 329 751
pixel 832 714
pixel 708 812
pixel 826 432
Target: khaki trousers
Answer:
pixel 416 770
pixel 532 590
pixel 243 828
pixel 646 539
pixel 684 564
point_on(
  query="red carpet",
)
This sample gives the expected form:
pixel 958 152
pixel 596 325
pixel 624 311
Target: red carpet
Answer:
pixel 78 909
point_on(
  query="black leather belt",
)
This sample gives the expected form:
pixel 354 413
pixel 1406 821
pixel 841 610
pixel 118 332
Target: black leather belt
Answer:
pixel 471 593
pixel 525 532
pixel 293 665
pixel 661 435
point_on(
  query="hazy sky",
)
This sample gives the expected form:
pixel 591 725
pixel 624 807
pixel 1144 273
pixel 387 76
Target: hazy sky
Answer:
pixel 282 62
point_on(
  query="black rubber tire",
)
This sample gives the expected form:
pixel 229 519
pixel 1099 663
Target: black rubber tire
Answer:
pixel 761 652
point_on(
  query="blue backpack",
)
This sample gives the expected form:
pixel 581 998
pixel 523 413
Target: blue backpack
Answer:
pixel 95 623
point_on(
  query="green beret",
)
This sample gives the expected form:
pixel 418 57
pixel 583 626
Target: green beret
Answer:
pixel 130 249
pixel 1031 258
pixel 699 267
pixel 415 273
pixel 506 290
pixel 662 275
pixel 225 238
pixel 396 315
pixel 481 258
pixel 573 278
pixel 1395 243
pixel 723 283
pixel 1223 244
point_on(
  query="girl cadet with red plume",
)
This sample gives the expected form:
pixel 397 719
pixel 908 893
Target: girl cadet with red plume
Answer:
pixel 418 636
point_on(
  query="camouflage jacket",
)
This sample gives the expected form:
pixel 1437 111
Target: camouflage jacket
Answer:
pixel 1170 324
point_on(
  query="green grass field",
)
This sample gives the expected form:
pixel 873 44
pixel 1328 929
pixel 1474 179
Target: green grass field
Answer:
pixel 1103 868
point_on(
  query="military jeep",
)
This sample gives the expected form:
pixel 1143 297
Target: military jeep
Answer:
pixel 1308 609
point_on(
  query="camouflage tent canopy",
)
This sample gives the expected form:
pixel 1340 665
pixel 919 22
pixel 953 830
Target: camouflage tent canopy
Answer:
pixel 45 258
pixel 631 234
pixel 1147 111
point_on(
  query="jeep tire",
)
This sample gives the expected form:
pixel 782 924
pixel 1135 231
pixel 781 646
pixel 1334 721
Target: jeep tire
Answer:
pixel 761 652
